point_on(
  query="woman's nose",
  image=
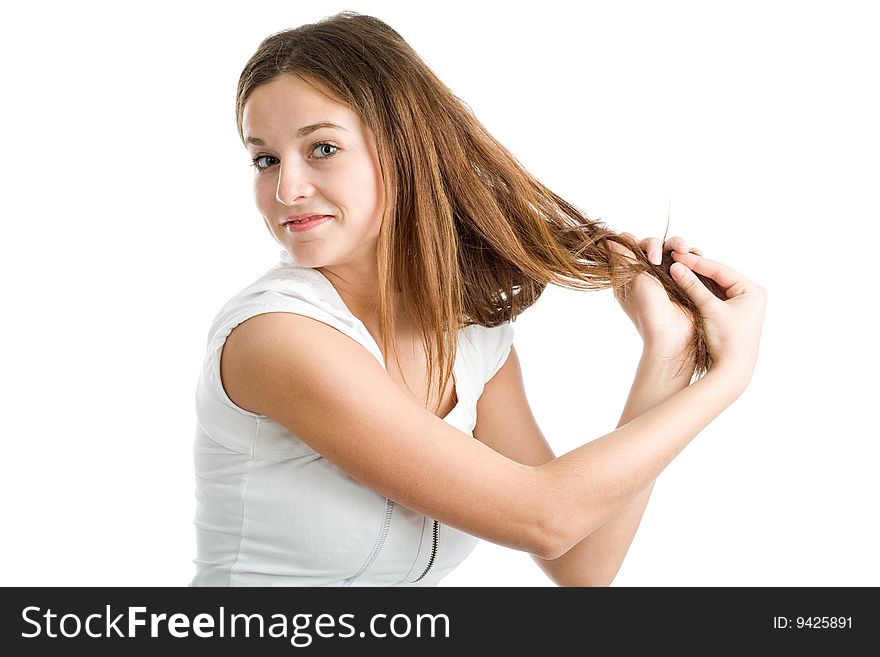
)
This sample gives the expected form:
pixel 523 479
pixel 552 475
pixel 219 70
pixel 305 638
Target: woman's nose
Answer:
pixel 293 184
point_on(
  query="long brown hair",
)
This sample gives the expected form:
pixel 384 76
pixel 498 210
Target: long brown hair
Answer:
pixel 468 236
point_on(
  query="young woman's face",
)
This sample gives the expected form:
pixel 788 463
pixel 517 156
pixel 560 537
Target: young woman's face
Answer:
pixel 312 156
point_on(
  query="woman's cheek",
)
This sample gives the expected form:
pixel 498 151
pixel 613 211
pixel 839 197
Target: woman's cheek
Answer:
pixel 264 192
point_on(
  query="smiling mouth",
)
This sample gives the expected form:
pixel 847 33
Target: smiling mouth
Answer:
pixel 305 219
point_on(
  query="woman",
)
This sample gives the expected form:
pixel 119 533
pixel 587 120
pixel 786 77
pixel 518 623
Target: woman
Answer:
pixel 362 416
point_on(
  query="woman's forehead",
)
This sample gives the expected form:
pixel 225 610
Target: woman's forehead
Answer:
pixel 292 93
pixel 289 99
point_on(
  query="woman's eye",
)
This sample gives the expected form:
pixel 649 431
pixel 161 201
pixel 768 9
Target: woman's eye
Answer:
pixel 323 151
pixel 263 162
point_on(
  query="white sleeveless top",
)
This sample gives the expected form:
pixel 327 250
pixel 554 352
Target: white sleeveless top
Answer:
pixel 273 512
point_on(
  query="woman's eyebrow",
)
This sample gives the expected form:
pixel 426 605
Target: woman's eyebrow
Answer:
pixel 302 132
pixel 309 129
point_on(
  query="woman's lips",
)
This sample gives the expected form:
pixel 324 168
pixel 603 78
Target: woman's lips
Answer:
pixel 311 222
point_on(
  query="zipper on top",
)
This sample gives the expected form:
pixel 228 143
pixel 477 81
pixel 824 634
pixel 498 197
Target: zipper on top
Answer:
pixel 380 542
pixel 433 552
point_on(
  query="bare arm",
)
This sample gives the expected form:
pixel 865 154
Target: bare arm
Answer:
pixel 350 411
pixel 595 560
pixel 733 329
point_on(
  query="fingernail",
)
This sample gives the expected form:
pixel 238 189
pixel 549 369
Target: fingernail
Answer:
pixel 656 258
pixel 677 269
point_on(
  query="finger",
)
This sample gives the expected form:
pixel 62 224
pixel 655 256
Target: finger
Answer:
pixel 621 249
pixel 676 244
pixel 629 237
pixel 693 287
pixel 653 247
pixel 697 251
pixel 721 274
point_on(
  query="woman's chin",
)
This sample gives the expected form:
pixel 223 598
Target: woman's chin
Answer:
pixel 304 256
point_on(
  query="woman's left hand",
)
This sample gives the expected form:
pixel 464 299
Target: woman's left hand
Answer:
pixel 663 325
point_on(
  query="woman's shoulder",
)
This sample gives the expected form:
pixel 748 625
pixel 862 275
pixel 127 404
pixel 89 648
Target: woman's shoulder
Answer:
pixel 285 280
pixel 283 285
pixel 288 288
pixel 486 336
pixel 490 345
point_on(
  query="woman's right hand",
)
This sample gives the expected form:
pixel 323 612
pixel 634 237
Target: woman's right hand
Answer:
pixel 733 327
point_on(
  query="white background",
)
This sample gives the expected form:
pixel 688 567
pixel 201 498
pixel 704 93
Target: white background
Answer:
pixel 128 220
